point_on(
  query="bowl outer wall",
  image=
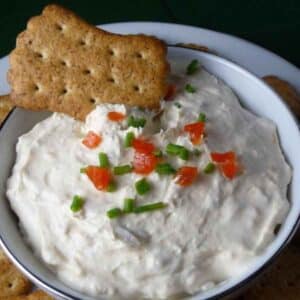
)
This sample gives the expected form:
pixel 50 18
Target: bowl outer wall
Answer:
pixel 254 94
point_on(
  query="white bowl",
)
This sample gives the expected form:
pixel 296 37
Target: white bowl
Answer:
pixel 253 94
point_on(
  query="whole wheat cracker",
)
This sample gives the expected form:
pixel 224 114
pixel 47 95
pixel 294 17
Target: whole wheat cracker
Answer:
pixel 35 295
pixel 62 63
pixel 12 281
pixel 286 91
pixel 6 106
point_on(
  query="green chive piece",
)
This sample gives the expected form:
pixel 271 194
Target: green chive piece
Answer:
pixel 177 104
pixel 192 67
pixel 197 152
pixel 164 169
pixel 103 160
pixel 202 117
pixel 210 167
pixel 129 139
pixel 173 149
pixel 149 207
pixel 77 203
pixel 112 187
pixel 82 170
pixel 136 122
pixel 157 153
pixel 178 150
pixel 142 186
pixel 121 170
pixel 114 213
pixel 129 205
pixel 184 154
pixel 190 89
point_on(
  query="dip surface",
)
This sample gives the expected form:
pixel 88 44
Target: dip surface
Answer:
pixel 208 233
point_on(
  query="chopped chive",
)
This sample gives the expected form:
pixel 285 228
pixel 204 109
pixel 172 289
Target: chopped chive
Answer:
pixel 129 139
pixel 77 203
pixel 157 153
pixel 114 213
pixel 149 207
pixel 112 187
pixel 184 154
pixel 83 170
pixel 202 117
pixel 142 186
pixel 178 150
pixel 173 149
pixel 136 122
pixel 197 152
pixel 210 167
pixel 192 67
pixel 164 169
pixel 121 170
pixel 103 160
pixel 190 89
pixel 177 104
pixel 129 205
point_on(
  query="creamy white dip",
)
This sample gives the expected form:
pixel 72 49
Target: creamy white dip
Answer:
pixel 210 231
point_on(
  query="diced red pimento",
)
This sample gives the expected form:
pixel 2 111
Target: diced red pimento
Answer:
pixel 195 131
pixel 228 163
pixel 186 175
pixel 171 91
pixel 142 146
pixel 100 177
pixel 230 169
pixel 223 157
pixel 115 116
pixel 92 140
pixel 144 163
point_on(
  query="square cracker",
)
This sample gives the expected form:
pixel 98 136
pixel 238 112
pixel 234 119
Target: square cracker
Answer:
pixel 12 281
pixel 287 92
pixel 61 63
pixel 35 295
pixel 6 106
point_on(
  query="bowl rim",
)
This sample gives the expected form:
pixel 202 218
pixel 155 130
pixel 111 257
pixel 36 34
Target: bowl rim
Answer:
pixel 231 289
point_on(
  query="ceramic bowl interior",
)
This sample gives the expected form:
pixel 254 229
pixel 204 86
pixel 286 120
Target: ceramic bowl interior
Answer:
pixel 253 94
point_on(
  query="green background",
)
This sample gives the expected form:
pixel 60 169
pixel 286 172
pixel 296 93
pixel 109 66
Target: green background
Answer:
pixel 273 24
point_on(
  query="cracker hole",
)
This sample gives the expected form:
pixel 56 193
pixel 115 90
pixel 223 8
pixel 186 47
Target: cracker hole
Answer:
pixel 92 100
pixel 63 63
pixel 40 55
pixel 59 27
pixel 136 88
pixel 112 80
pixel 30 42
pixel 87 72
pixel 10 285
pixel 139 55
pixel 111 52
pixel 36 87
pixel 64 91
pixel 82 43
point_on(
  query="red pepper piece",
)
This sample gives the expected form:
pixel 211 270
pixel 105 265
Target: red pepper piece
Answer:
pixel 142 146
pixel 115 116
pixel 144 163
pixel 195 131
pixel 92 140
pixel 100 177
pixel 186 175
